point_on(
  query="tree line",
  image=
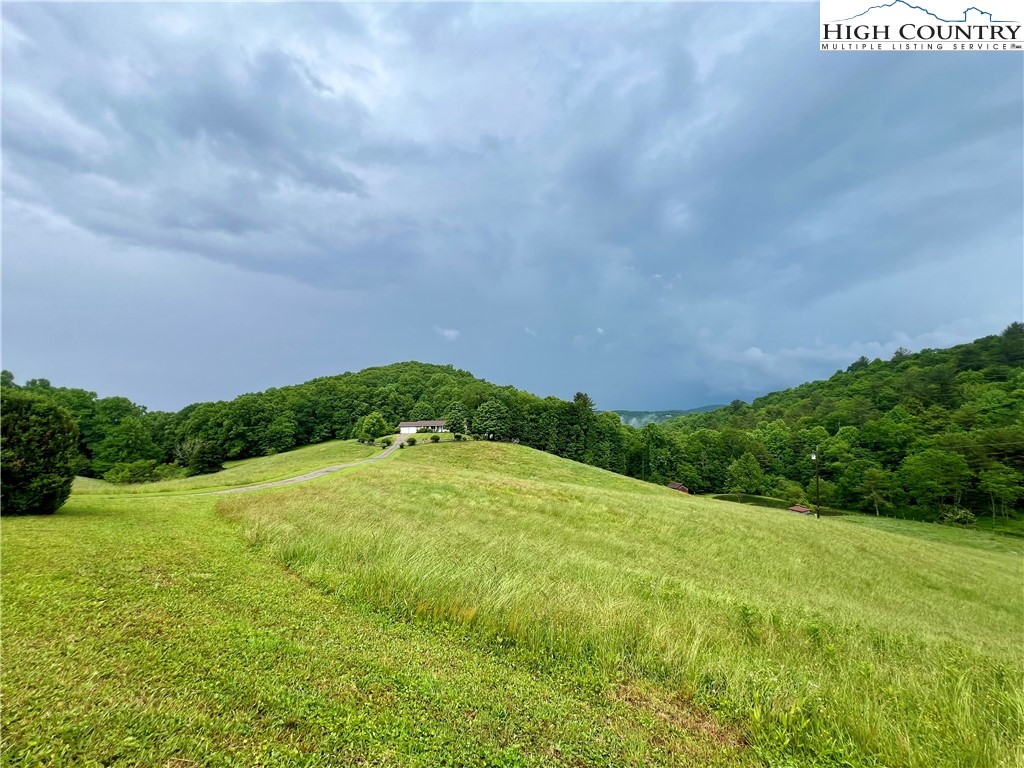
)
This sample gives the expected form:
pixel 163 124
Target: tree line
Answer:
pixel 939 433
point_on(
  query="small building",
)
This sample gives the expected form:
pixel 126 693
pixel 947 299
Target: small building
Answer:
pixel 801 510
pixel 412 427
pixel 678 487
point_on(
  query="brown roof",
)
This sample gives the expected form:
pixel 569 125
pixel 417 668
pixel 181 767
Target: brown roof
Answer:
pixel 798 508
pixel 678 487
pixel 438 423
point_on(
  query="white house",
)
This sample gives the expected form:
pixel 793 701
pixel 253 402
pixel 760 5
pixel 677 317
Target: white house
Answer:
pixel 411 427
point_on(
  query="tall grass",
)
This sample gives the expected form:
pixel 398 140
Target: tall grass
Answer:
pixel 832 643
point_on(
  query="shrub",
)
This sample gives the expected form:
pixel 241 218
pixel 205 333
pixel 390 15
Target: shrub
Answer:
pixel 457 437
pixel 205 460
pixel 401 445
pixel 169 472
pixel 435 438
pixel 140 471
pixel 411 441
pixel 422 430
pixel 385 442
pixel 38 452
pixel 954 515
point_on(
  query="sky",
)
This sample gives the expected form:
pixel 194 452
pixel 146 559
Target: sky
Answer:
pixel 664 205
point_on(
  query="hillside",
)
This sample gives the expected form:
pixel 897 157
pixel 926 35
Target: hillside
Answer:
pixel 921 435
pixel 496 605
pixel 936 435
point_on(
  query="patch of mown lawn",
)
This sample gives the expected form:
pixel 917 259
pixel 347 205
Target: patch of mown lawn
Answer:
pixel 244 472
pixel 144 631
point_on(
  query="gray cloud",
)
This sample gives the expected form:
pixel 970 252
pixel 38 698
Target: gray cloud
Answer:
pixel 737 211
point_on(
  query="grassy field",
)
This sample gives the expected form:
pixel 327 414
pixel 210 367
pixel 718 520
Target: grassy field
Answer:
pixel 246 472
pixel 484 604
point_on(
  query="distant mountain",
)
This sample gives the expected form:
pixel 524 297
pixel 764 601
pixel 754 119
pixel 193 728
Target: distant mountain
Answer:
pixel 638 419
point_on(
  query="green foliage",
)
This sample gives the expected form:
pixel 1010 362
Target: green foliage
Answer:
pixel 745 475
pixel 38 448
pixel 492 419
pixel 372 426
pixel 205 459
pixel 456 417
pixel 900 437
pixel 141 471
pixel 935 476
pixel 129 440
pixel 435 438
pixel 411 441
pixel 951 514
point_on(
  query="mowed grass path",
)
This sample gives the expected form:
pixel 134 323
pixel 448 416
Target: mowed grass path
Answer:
pixel 878 643
pixel 245 472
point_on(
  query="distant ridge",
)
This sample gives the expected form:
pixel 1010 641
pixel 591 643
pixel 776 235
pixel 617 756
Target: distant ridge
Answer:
pixel 638 419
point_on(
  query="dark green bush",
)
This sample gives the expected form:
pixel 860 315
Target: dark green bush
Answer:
pixel 141 471
pixel 411 441
pixel 38 452
pixel 435 438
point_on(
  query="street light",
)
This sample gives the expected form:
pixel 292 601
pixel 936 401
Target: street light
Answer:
pixel 817 484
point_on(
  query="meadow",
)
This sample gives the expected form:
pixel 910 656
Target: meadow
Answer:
pixel 245 472
pixel 488 604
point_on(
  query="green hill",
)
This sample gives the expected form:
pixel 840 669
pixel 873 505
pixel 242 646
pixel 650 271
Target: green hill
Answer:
pixel 924 435
pixel 936 435
pixel 489 604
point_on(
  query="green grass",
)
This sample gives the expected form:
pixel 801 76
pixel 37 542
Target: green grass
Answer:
pixel 245 472
pixel 486 604
pixel 831 642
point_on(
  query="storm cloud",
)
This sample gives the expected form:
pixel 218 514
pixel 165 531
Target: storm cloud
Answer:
pixel 663 205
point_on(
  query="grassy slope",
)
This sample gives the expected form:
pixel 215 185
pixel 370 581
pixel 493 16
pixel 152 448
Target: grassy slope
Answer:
pixel 246 472
pixel 144 631
pixel 830 640
pixel 565 615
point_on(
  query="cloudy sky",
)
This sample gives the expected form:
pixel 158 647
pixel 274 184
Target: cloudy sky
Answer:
pixel 663 205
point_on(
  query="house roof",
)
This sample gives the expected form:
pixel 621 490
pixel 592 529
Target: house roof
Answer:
pixel 437 423
pixel 798 508
pixel 678 487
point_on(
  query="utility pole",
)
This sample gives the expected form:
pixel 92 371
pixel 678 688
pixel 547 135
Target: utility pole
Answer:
pixel 817 484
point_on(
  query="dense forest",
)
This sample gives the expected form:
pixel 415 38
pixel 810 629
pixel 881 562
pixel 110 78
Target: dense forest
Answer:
pixel 934 435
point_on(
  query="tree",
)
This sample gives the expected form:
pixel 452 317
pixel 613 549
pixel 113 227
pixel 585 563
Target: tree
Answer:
pixel 374 426
pixel 1003 485
pixel 492 419
pixel 205 459
pixel 876 487
pixel 422 412
pixel 38 447
pixel 456 417
pixel 198 456
pixel 934 476
pixel 128 441
pixel 745 475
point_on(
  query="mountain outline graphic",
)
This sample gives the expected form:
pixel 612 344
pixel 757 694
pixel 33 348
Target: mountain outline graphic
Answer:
pixel 933 15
